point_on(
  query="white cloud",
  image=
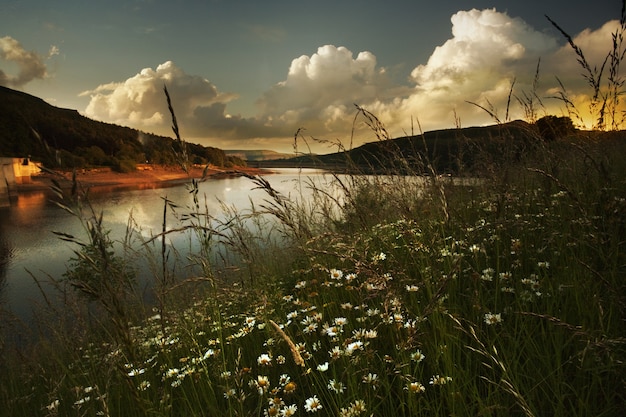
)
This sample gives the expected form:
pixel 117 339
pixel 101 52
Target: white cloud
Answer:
pixel 30 65
pixel 200 108
pixel 486 51
pixel 320 89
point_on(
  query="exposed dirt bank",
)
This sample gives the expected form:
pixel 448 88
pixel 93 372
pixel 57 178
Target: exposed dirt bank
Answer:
pixel 146 176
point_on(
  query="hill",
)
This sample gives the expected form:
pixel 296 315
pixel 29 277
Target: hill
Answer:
pixel 257 155
pixel 446 151
pixel 63 138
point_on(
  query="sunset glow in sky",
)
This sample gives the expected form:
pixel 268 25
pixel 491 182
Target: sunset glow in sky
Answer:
pixel 247 74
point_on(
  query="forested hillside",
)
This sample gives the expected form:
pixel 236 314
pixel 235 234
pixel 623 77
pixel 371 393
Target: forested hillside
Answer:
pixel 62 138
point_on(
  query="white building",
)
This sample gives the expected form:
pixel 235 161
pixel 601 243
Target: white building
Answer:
pixel 15 171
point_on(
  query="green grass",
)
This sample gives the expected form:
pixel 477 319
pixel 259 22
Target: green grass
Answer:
pixel 511 304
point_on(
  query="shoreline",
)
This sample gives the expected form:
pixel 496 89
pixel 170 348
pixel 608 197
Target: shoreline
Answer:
pixel 145 176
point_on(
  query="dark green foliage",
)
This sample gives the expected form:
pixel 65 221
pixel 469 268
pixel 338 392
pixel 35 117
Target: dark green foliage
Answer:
pixel 62 138
pixel 447 151
pixel 553 127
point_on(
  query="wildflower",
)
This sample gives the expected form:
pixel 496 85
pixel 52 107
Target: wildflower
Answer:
pixel 276 402
pixel 172 372
pixel 310 328
pixel 262 384
pixel 474 248
pixel 272 411
pixel 301 284
pixel 209 353
pixel 415 388
pixel 341 321
pixel 371 379
pixel 280 359
pixel 346 306
pixel 487 274
pixel 312 404
pixel 371 334
pixel 336 274
pixel 289 411
pixel 544 265
pixel 439 380
pixel 290 387
pixel 358 345
pixel 417 356
pixel 379 257
pixel 323 367
pixel 350 277
pixel 230 393
pixel 82 401
pixel 412 288
pixel 53 405
pixel 336 386
pixel 491 318
pixel 135 372
pixel 357 407
pixel 505 276
pixel 264 360
pixel 143 385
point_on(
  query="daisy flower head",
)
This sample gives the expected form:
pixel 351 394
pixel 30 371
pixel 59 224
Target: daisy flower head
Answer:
pixel 312 404
pixel 264 360
pixel 491 318
pixel 262 384
pixel 415 388
pixel 439 380
pixel 289 410
pixel 336 274
pixel 322 367
pixel 336 386
pixel 417 356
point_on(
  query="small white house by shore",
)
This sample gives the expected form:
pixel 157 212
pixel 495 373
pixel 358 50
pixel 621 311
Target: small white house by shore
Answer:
pixel 15 171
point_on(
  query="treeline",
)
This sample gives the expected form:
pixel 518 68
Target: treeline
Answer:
pixel 62 138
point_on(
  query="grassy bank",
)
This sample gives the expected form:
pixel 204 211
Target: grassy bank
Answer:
pixel 502 297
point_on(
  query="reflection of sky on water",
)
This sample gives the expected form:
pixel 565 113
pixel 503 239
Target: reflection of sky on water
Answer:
pixel 27 241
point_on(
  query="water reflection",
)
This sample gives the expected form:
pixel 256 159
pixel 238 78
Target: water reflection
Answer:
pixel 27 244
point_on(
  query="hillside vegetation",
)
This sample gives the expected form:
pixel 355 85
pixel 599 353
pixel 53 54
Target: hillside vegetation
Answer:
pixel 62 138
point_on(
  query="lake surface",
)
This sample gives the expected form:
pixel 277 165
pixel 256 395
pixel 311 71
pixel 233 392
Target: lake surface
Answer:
pixel 29 246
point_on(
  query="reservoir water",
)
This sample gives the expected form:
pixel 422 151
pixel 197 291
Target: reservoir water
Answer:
pixel 28 246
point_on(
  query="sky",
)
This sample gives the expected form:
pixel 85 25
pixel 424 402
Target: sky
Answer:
pixel 249 74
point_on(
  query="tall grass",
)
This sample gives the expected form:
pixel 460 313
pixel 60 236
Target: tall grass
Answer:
pixel 385 295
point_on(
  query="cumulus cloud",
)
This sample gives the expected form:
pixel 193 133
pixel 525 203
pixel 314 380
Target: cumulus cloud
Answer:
pixel 487 50
pixel 140 102
pixel 30 65
pixel 320 90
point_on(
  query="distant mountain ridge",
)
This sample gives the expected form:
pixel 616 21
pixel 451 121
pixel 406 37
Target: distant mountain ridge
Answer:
pixel 257 155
